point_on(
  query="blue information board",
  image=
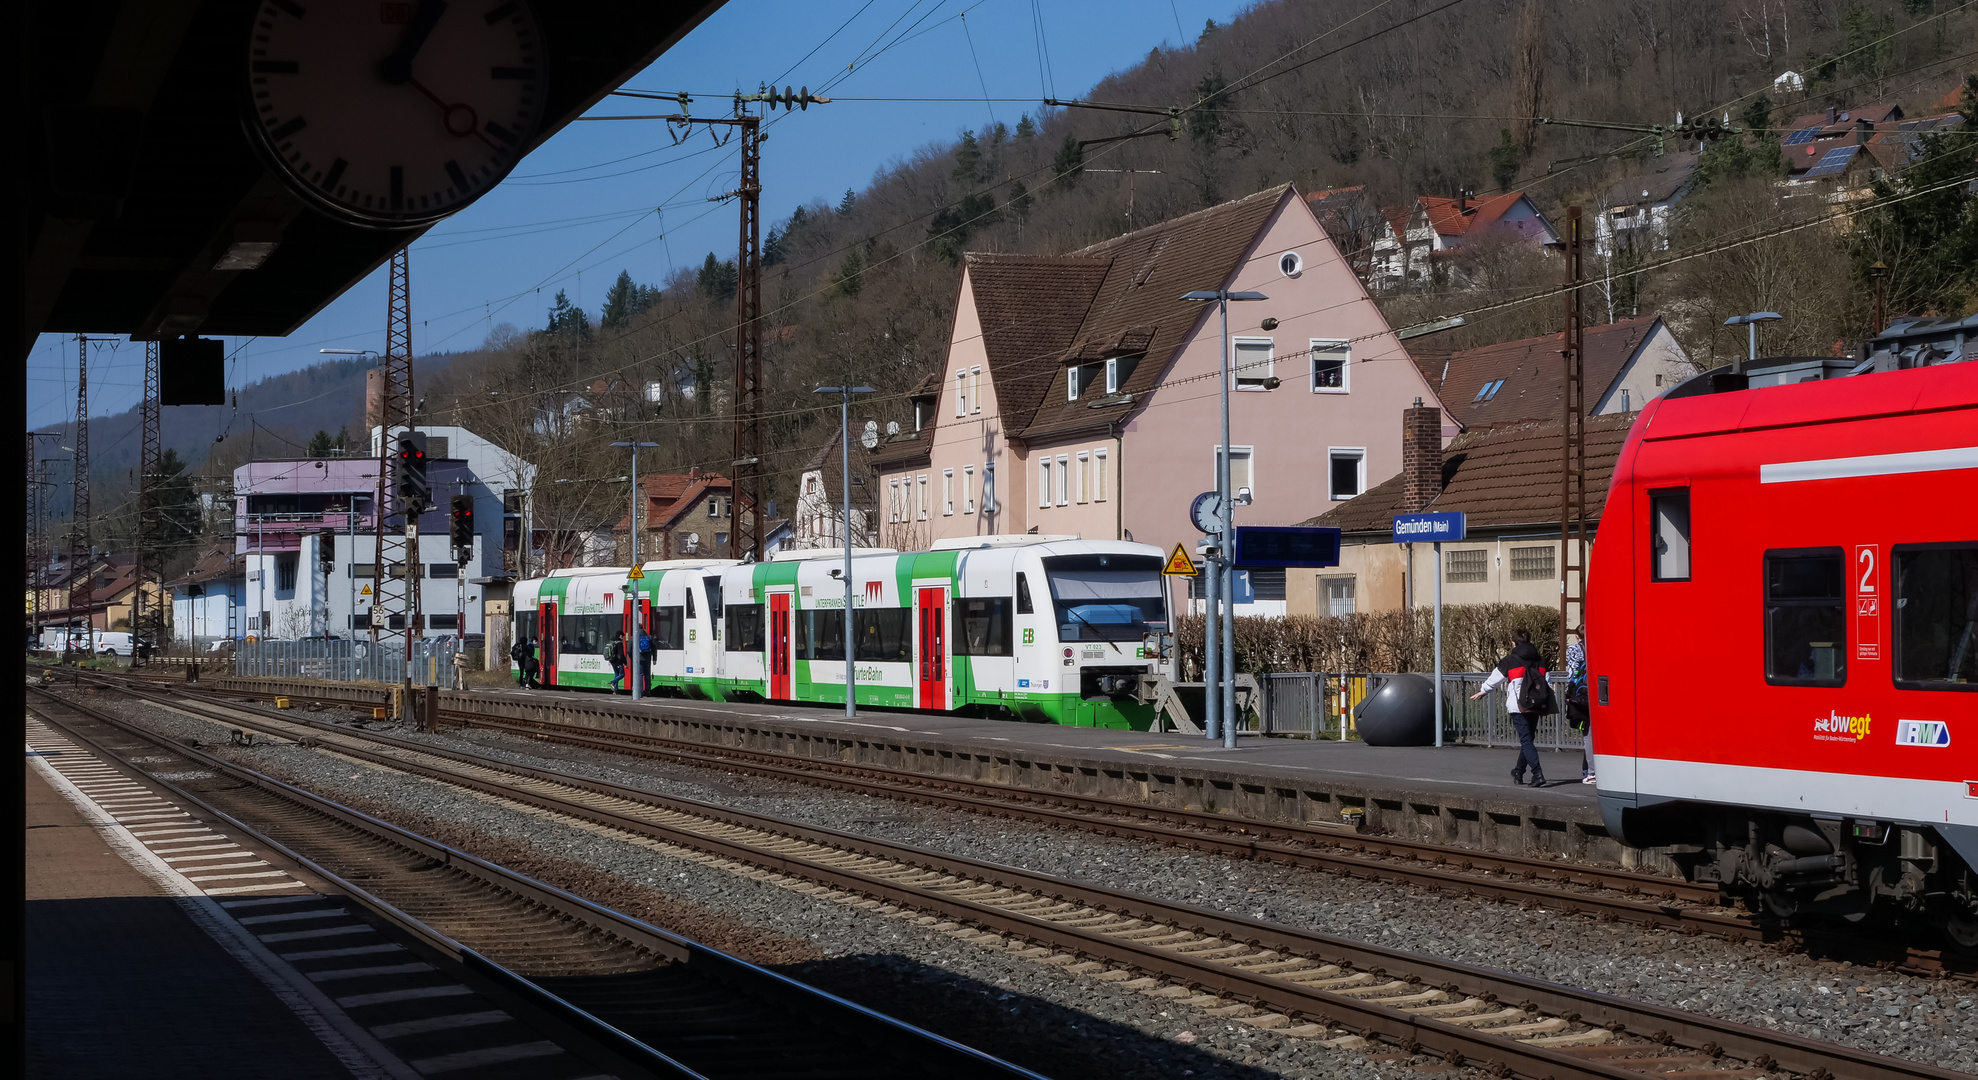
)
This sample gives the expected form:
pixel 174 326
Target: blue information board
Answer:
pixel 1428 528
pixel 1286 546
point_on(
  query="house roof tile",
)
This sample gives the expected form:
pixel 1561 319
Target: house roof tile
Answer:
pixel 1030 308
pixel 1136 306
pixel 1534 377
pixel 1504 477
pixel 1456 217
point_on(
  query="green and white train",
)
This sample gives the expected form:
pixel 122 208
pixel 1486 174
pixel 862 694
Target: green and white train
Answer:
pixel 1041 628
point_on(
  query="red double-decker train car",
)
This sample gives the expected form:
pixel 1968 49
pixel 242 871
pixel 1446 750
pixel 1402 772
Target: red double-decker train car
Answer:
pixel 1782 640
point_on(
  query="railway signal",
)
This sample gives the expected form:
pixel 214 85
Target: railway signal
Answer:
pixel 463 528
pixel 414 490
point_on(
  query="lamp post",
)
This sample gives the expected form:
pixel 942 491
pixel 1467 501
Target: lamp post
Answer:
pixel 1218 668
pixel 633 654
pixel 845 446
pixel 1750 323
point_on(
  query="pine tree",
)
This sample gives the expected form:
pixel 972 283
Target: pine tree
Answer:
pixel 716 279
pixel 845 204
pixel 850 276
pixel 625 299
pixel 1026 128
pixel 1069 165
pixel 1020 200
pixel 567 318
pixel 1504 161
pixel 968 159
pixel 772 247
pixel 320 445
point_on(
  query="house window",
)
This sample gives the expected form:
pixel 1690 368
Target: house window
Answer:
pixel 441 620
pixel 720 540
pixel 285 575
pixel 947 492
pixel 1805 617
pixel 1099 475
pixel 988 487
pixel 923 497
pixel 1468 566
pixel 1113 375
pixel 1044 482
pixel 714 507
pixel 1531 563
pixel 1083 476
pixel 364 570
pixel 1242 473
pixel 968 489
pixel 1071 382
pixel 961 393
pixel 1266 583
pixel 1252 363
pixel 1338 593
pixel 1329 366
pixel 1348 472
pixel 1064 480
pixel 975 390
pixel 1487 391
pixel 893 500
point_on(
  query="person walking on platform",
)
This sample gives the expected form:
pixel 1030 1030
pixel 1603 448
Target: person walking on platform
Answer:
pixel 1510 672
pixel 645 660
pixel 532 668
pixel 519 653
pixel 1578 715
pixel 460 669
pixel 617 657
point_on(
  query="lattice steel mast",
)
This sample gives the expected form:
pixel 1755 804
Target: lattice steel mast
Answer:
pixel 1573 454
pixel 79 583
pixel 148 453
pixel 395 596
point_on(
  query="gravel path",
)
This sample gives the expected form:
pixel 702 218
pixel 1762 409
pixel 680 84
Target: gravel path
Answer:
pixel 903 969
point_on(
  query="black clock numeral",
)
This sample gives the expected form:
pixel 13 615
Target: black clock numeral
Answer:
pixel 513 73
pixel 288 129
pixel 334 178
pixel 294 9
pixel 459 178
pixel 500 12
pixel 277 67
pixel 398 187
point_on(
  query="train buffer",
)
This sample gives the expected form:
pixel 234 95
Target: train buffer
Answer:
pixel 1178 705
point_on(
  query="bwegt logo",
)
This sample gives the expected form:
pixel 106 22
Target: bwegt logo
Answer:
pixel 1834 727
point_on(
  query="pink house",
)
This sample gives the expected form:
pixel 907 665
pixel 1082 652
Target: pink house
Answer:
pixel 1079 395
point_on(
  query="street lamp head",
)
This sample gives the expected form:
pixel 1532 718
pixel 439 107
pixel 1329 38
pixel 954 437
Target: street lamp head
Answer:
pixel 1202 294
pixel 641 445
pixel 348 352
pixel 844 390
pixel 1217 294
pixel 1754 317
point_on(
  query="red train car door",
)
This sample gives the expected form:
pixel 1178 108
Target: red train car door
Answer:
pixel 779 646
pixel 546 637
pixel 933 648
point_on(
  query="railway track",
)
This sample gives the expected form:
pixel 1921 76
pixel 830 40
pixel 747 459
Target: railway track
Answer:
pixel 1264 975
pixel 675 1007
pixel 1606 894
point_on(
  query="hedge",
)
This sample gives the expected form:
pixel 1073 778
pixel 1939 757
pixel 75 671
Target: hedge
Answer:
pixel 1474 636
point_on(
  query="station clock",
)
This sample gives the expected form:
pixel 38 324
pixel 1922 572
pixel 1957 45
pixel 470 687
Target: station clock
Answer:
pixel 394 114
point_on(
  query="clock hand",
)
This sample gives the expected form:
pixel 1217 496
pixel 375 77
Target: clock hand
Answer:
pixel 460 118
pixel 397 68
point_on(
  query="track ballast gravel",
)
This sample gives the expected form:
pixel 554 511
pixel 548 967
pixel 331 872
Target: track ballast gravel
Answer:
pixel 1082 1026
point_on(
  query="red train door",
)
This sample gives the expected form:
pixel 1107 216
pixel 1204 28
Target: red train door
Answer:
pixel 546 650
pixel 779 646
pixel 933 648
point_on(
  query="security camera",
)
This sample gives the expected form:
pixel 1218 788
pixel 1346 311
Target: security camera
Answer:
pixel 1243 496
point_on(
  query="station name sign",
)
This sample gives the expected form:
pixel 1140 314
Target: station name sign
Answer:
pixel 1428 528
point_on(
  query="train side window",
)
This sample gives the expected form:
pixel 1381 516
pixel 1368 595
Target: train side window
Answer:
pixel 1669 538
pixel 1805 617
pixel 1936 595
pixel 982 626
pixel 1023 606
pixel 745 628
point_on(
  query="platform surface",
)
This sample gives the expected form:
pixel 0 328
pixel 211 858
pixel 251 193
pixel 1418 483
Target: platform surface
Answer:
pixel 122 983
pixel 1470 773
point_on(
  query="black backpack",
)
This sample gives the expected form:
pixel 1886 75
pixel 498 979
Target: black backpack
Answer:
pixel 518 652
pixel 1535 696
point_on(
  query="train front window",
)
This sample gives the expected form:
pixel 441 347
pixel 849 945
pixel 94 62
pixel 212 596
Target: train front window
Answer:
pixel 1107 597
pixel 1936 617
pixel 1805 618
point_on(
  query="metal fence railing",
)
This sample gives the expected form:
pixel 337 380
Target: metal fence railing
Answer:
pixel 339 660
pixel 1320 705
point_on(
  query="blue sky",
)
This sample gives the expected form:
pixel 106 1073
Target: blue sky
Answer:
pixel 580 208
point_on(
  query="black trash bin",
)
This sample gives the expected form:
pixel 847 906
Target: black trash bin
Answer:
pixel 1400 713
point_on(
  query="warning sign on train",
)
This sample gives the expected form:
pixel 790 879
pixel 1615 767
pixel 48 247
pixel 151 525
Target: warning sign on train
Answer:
pixel 1179 564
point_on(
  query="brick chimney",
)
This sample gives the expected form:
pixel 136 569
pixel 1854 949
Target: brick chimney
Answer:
pixel 1421 456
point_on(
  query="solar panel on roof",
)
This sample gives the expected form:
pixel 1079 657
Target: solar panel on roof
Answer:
pixel 1832 162
pixel 1800 136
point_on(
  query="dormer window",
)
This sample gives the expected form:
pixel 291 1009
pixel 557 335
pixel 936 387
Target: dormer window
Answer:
pixel 1071 383
pixel 1488 391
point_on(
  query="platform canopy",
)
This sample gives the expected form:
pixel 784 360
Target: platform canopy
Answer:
pixel 136 173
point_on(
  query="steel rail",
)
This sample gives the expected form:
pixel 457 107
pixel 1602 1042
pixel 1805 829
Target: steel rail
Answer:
pixel 1764 1049
pixel 869 1026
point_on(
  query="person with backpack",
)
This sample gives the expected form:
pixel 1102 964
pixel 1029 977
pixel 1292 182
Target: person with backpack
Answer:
pixel 519 654
pixel 1527 696
pixel 532 668
pixel 645 660
pixel 616 654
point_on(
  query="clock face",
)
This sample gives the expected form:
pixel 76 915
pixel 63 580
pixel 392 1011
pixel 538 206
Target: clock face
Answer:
pixel 396 113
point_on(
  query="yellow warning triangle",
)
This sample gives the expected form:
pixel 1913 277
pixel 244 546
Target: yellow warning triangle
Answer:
pixel 366 590
pixel 636 574
pixel 1179 563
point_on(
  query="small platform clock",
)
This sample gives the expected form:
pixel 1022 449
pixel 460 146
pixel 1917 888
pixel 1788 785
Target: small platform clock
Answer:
pixel 394 114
